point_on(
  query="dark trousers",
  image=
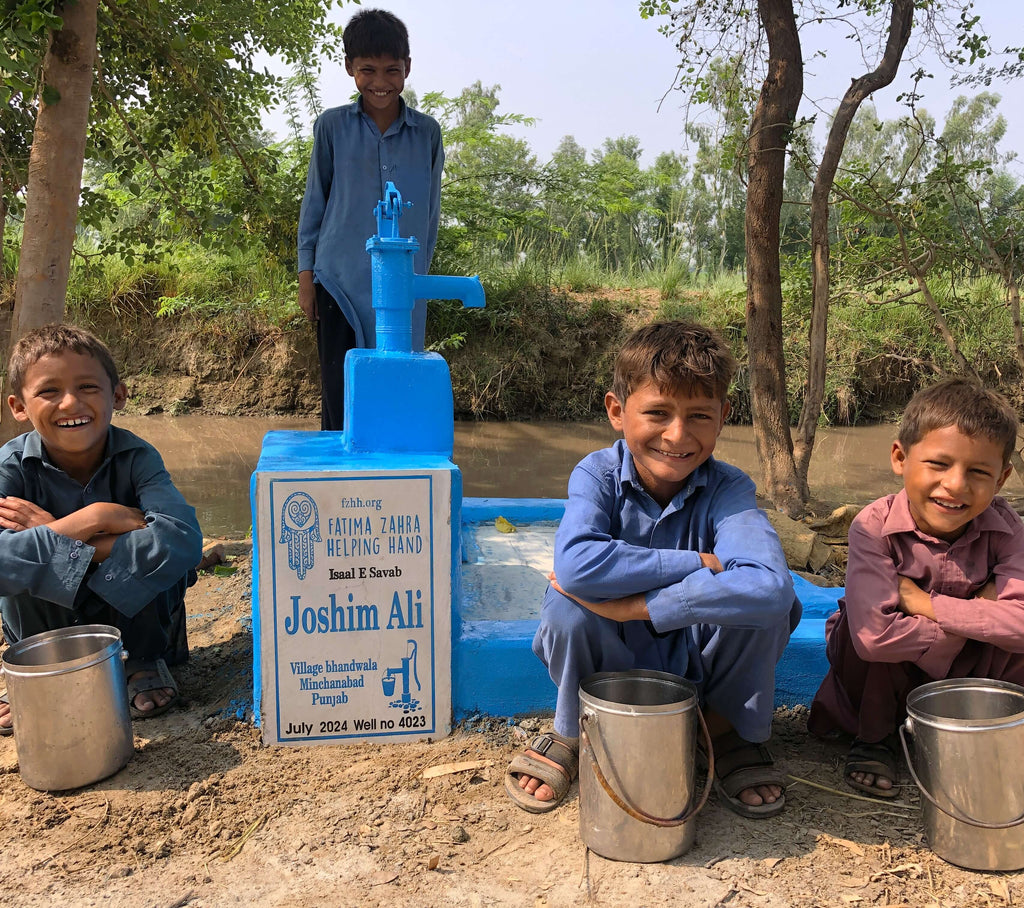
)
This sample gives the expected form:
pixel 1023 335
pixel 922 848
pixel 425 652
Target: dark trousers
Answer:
pixel 334 338
pixel 156 632
pixel 869 699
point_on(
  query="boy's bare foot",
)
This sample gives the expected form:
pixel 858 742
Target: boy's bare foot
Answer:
pixel 152 689
pixel 540 789
pixel 539 777
pixel 866 780
pixel 6 723
pixel 148 700
pixel 746 778
pixel 872 768
pixel 738 760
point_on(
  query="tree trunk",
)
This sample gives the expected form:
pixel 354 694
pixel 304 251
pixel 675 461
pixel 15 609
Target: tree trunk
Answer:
pixel 1003 266
pixel 1018 332
pixel 900 25
pixel 55 175
pixel 920 275
pixel 3 241
pixel 766 165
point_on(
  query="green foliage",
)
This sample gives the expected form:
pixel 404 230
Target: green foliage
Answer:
pixel 9 263
pixel 187 281
pixel 607 213
pixel 203 225
pixel 672 280
pixel 178 100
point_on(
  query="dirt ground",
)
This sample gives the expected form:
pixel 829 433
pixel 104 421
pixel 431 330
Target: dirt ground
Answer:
pixel 204 815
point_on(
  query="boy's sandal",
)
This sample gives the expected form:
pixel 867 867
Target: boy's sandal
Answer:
pixel 880 760
pixel 162 679
pixel 6 730
pixel 741 764
pixel 560 750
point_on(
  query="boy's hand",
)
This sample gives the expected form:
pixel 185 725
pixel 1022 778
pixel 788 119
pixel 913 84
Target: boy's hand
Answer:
pixel 19 514
pixel 628 608
pixel 914 600
pixel 101 518
pixel 103 545
pixel 988 591
pixel 710 560
pixel 307 296
pixel 112 519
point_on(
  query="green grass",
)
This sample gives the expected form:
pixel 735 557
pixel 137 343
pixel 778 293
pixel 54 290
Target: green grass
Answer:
pixel 189 281
pixel 538 309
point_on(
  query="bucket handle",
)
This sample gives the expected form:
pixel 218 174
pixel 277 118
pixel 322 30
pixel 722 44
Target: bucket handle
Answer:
pixel 635 812
pixel 953 813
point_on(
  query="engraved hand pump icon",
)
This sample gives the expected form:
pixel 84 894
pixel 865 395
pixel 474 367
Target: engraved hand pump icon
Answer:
pixel 407 670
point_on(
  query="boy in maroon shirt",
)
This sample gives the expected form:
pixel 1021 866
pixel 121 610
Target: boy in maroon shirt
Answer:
pixel 935 579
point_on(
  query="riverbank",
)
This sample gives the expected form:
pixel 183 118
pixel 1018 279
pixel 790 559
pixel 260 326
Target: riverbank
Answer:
pixel 535 353
pixel 204 816
pixel 515 362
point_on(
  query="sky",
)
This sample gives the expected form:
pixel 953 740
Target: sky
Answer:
pixel 593 69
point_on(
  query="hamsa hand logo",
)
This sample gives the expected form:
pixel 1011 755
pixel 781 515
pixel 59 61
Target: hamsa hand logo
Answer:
pixel 300 528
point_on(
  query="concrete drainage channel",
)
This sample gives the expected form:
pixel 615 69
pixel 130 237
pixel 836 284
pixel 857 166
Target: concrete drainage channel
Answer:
pixel 504 575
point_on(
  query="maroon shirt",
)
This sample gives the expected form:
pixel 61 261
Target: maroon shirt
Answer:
pixel 878 653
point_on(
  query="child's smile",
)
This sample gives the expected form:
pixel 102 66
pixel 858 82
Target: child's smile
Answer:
pixel 949 478
pixel 380 81
pixel 69 401
pixel 669 434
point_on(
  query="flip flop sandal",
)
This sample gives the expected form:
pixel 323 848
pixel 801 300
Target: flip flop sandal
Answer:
pixel 560 750
pixel 741 764
pixel 879 759
pixel 162 679
pixel 6 730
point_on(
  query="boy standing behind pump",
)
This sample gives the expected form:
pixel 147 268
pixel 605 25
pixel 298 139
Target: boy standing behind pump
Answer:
pixel 663 561
pixel 357 149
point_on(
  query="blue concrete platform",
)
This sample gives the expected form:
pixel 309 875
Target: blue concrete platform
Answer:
pixel 504 576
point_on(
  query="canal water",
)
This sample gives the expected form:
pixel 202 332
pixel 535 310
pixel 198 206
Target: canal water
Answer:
pixel 211 459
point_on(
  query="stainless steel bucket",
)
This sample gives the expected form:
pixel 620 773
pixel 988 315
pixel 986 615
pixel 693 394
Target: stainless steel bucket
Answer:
pixel 968 761
pixel 69 703
pixel 637 756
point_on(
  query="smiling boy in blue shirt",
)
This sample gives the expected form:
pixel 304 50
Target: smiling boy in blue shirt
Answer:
pixel 92 530
pixel 357 149
pixel 663 561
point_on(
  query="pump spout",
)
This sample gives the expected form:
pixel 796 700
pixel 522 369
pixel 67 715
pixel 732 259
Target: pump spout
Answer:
pixel 398 399
pixel 447 287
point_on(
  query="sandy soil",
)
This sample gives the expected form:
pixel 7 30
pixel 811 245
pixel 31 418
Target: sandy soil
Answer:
pixel 203 815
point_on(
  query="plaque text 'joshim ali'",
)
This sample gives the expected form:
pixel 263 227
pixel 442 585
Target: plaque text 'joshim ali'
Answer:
pixel 405 611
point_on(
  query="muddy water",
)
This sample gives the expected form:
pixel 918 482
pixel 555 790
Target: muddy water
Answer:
pixel 212 458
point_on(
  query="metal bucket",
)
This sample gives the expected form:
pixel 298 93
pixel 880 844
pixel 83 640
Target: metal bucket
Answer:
pixel 637 756
pixel 968 761
pixel 69 703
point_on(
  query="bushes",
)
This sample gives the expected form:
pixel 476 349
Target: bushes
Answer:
pixel 543 346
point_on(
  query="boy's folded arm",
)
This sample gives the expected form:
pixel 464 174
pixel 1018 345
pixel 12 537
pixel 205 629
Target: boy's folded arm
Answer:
pixel 21 514
pixel 42 563
pixel 596 567
pixel 998 621
pixel 755 589
pixel 34 559
pixel 590 563
pixel 143 564
pixel 880 632
pixel 99 518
